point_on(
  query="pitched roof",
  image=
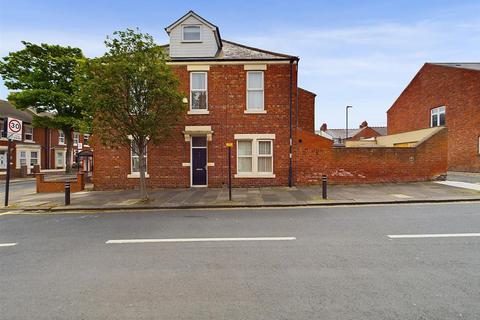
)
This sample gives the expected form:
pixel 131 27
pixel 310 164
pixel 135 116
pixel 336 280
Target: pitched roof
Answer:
pixel 463 65
pixel 340 133
pixel 8 110
pixel 234 51
pixel 205 21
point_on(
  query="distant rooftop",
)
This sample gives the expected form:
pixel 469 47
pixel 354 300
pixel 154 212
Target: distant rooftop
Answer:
pixel 462 65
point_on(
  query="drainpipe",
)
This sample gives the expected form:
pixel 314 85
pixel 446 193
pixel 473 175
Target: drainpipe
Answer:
pixel 290 175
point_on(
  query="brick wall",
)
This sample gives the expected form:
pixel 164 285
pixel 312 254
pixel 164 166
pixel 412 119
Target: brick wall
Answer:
pixel 306 110
pixel 226 105
pixel 459 91
pixel 315 157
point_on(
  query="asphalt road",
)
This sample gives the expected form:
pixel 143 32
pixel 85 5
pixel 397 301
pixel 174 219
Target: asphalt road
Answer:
pixel 342 264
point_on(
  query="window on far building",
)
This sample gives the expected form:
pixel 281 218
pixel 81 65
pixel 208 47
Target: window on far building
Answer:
pixel 198 91
pixel 255 91
pixel 85 139
pixel 76 138
pixel 2 128
pixel 23 158
pixel 191 33
pixel 28 133
pixel 33 158
pixel 437 117
pixel 60 159
pixel 136 159
pixel 61 137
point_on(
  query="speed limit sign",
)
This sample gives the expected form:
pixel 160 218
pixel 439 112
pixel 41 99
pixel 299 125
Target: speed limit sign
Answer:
pixel 14 129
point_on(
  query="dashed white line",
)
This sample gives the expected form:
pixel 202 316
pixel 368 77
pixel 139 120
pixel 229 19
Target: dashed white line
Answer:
pixel 124 241
pixel 11 244
pixel 432 235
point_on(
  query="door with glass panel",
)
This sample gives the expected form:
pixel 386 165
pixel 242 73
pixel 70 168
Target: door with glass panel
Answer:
pixel 199 161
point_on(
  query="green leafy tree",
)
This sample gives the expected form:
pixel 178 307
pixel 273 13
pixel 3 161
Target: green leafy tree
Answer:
pixel 43 77
pixel 133 95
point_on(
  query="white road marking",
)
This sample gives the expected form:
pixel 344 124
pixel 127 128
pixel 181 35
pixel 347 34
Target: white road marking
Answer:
pixel 200 240
pixel 432 235
pixel 459 184
pixel 8 244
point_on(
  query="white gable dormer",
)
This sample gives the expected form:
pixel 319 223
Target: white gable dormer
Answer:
pixel 191 36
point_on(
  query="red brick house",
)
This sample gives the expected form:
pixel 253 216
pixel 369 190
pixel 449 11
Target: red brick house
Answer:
pixel 236 94
pixel 39 146
pixel 444 94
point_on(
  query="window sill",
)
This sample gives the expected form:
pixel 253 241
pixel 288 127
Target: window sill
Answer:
pixel 192 41
pixel 198 112
pixel 255 111
pixel 136 175
pixel 29 141
pixel 255 175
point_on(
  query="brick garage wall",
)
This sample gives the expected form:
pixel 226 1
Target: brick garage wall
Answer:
pixel 315 157
pixel 457 89
pixel 306 110
pixel 227 105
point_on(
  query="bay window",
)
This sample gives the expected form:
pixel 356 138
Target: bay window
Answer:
pixel 33 158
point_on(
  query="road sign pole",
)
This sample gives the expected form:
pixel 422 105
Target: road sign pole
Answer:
pixel 230 173
pixel 7 180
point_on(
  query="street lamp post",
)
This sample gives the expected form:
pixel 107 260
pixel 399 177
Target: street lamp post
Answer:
pixel 346 123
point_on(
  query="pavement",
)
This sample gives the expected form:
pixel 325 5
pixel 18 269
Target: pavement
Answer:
pixel 271 263
pixel 23 196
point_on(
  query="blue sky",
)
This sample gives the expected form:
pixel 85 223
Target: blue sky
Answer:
pixel 360 53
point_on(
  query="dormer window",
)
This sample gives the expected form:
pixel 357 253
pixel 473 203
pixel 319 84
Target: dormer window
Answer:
pixel 191 34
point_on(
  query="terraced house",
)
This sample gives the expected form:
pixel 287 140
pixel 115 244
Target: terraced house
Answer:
pixel 236 94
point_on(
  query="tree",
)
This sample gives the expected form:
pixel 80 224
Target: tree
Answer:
pixel 42 77
pixel 132 94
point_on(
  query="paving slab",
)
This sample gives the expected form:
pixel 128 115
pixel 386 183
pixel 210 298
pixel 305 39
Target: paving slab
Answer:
pixel 248 197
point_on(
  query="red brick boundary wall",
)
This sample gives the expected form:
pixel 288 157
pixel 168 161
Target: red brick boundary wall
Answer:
pixel 315 157
pixel 57 185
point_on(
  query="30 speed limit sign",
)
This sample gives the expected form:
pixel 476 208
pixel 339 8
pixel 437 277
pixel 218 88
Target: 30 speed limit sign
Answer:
pixel 14 129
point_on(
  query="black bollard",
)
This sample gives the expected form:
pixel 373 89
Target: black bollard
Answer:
pixel 67 193
pixel 324 187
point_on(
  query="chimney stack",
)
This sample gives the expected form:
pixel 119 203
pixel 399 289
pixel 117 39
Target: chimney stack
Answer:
pixel 364 124
pixel 323 127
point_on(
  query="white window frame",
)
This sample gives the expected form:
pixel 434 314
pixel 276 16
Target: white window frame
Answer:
pixel 61 137
pixel 57 164
pixel 25 134
pixel 199 111
pixel 256 139
pixel 136 174
pixel 37 158
pixel 86 137
pixel 24 152
pixel 76 136
pixel 265 155
pixel 261 89
pixel 437 112
pixel 192 25
pixel 251 156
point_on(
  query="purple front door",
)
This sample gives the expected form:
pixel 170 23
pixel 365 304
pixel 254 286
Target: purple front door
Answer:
pixel 199 161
